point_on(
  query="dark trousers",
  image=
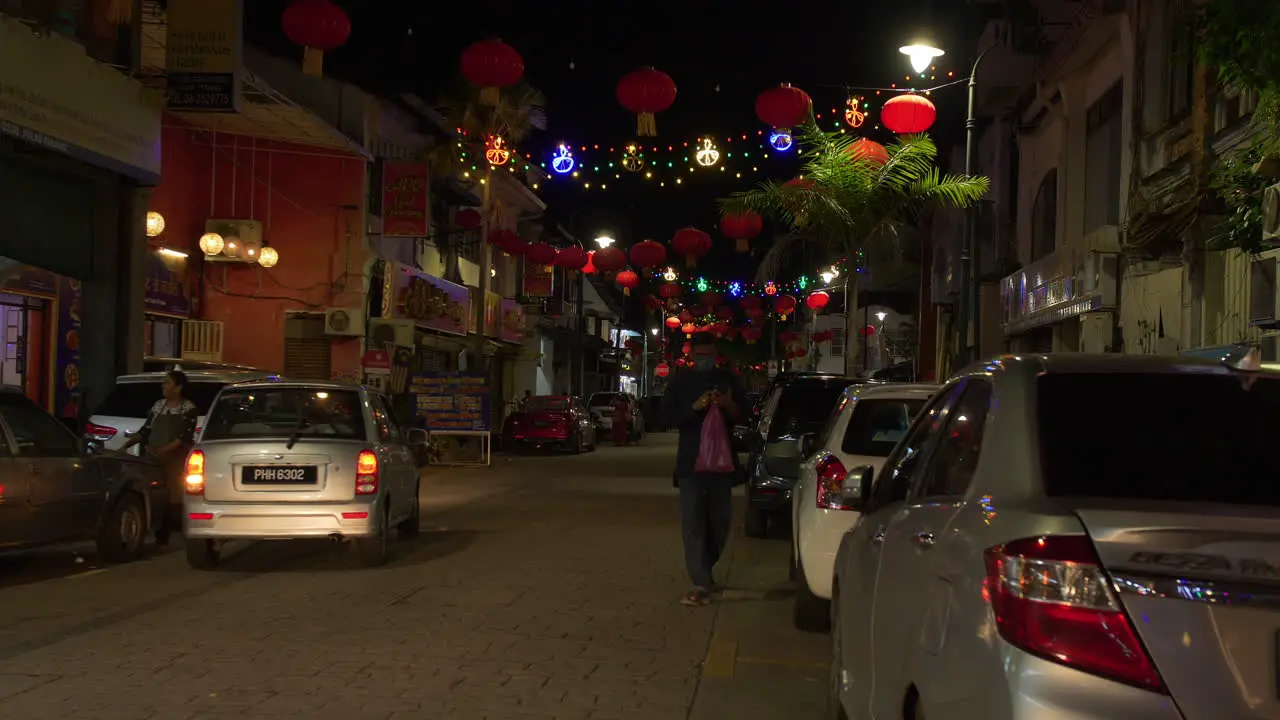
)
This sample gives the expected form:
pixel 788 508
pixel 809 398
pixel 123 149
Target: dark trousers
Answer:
pixel 706 510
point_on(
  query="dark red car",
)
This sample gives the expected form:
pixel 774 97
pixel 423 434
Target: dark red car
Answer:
pixel 546 420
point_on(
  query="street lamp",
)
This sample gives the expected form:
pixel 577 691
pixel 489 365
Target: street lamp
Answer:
pixel 920 55
pixel 881 316
pixel 653 331
pixel 605 241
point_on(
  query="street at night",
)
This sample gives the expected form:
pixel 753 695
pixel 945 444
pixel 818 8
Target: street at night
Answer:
pixel 543 588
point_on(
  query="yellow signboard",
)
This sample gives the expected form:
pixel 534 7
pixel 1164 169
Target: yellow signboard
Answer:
pixel 204 55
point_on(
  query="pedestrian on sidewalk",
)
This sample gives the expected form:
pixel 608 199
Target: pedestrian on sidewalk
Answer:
pixel 706 498
pixel 621 425
pixel 167 435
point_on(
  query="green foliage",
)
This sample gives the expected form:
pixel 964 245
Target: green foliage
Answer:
pixel 1241 40
pixel 521 109
pixel 850 201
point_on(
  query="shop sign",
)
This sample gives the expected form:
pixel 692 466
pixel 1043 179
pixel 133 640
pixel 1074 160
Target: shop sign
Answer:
pixel 430 302
pixel 539 280
pixel 492 314
pixel 32 282
pixel 406 199
pixel 66 378
pixel 451 400
pixel 512 321
pixel 374 360
pixel 55 96
pixel 167 292
pixel 204 55
pixel 1056 288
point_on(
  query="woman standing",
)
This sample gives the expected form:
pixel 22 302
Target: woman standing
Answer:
pixel 621 419
pixel 167 436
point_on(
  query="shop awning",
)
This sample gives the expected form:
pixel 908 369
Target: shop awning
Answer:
pixel 266 113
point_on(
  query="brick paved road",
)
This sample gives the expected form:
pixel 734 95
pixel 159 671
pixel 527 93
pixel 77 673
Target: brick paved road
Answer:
pixel 546 588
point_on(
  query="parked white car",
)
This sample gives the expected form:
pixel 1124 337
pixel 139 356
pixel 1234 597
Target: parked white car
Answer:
pixel 862 430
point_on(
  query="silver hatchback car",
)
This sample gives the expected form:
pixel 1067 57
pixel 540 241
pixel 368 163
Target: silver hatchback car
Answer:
pixel 289 460
pixel 1069 536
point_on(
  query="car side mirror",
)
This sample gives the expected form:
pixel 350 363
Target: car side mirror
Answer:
pixel 417 436
pixel 855 491
pixel 806 443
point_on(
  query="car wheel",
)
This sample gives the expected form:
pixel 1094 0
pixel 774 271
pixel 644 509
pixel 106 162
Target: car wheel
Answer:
pixel 835 708
pixel 373 550
pixel 757 523
pixel 201 554
pixel 412 525
pixel 123 530
pixel 809 612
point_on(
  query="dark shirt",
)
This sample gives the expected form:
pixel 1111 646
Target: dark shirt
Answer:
pixel 677 403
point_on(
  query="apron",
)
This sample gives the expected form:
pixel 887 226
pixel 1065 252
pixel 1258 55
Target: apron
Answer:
pixel 165 428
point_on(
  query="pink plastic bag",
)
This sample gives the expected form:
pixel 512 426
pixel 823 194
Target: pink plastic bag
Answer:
pixel 715 453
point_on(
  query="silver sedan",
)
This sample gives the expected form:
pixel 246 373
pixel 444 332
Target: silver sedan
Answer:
pixel 1069 536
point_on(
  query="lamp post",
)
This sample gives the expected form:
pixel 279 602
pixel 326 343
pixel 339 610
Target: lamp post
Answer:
pixel 921 54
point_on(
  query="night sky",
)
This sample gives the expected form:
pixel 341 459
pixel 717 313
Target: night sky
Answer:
pixel 818 45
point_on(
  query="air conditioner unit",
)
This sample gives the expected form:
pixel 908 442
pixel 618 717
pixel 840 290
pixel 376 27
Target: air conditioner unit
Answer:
pixel 241 240
pixel 1271 215
pixel 397 332
pixel 347 322
pixel 1264 293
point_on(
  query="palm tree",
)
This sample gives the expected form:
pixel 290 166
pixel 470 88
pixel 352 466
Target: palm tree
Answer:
pixel 521 109
pixel 850 200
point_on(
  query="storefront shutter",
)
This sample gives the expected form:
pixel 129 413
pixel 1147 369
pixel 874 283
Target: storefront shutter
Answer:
pixel 307 358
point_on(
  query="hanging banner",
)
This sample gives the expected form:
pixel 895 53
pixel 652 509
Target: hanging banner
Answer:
pixel 66 378
pixel 492 314
pixel 166 291
pixel 406 204
pixel 539 280
pixel 512 321
pixel 204 55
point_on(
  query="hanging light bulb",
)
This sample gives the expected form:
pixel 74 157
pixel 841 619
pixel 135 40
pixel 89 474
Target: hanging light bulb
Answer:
pixel 155 223
pixel 920 55
pixel 211 244
pixel 268 257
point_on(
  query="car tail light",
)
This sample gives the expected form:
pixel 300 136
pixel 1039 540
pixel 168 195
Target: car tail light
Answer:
pixel 194 482
pixel 1051 598
pixel 101 433
pixel 366 473
pixel 831 474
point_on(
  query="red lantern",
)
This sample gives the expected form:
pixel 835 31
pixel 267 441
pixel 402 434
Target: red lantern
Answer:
pixel 788 337
pixel 540 253
pixel 661 370
pixel 686 316
pixel 801 352
pixel 609 259
pixel 590 267
pixel 784 306
pixel 646 92
pixel 868 331
pixel 783 107
pixel 686 348
pixel 627 280
pixel 572 258
pixel 794 194
pixel 673 322
pixel 467 219
pixel 319 26
pixel 692 243
pixel 491 64
pixel 724 313
pixel 506 241
pixel 868 150
pixel 688 328
pixel 669 291
pixel 742 228
pixel 648 254
pixel 652 303
pixel 908 114
pixel 818 300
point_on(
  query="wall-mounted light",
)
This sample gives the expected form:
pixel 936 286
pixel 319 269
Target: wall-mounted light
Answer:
pixel 212 244
pixel 268 257
pixel 170 252
pixel 155 223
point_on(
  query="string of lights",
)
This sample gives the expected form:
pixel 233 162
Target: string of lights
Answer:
pixel 820 279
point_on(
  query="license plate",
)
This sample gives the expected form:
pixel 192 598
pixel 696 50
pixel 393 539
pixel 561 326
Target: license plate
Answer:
pixel 278 475
pixel 541 423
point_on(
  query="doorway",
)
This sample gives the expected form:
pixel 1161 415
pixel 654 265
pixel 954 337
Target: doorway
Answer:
pixel 24 328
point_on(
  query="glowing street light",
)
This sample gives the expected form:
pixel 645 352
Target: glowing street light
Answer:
pixel 605 241
pixel 921 55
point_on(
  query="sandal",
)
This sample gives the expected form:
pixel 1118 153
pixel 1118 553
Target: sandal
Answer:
pixel 696 597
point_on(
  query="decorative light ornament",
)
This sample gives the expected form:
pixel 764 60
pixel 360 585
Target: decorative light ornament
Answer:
pixel 562 162
pixel 780 140
pixel 669 275
pixel 708 155
pixel 496 151
pixel 632 159
pixel 803 282
pixel 702 285
pixel 268 257
pixel 155 223
pixel 920 55
pixel 212 244
pixel 854 115
pixel 735 289
pixel 770 288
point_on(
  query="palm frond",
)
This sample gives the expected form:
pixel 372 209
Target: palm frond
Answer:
pixel 783 249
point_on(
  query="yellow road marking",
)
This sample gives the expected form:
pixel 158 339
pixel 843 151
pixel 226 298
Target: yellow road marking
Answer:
pixel 85 574
pixel 720 660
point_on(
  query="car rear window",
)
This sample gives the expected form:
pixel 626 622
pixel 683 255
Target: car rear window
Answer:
pixel 279 412
pixel 546 404
pixel 878 424
pixel 805 406
pixel 601 399
pixel 1160 436
pixel 134 399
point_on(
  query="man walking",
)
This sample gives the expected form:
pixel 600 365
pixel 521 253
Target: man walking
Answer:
pixel 706 499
